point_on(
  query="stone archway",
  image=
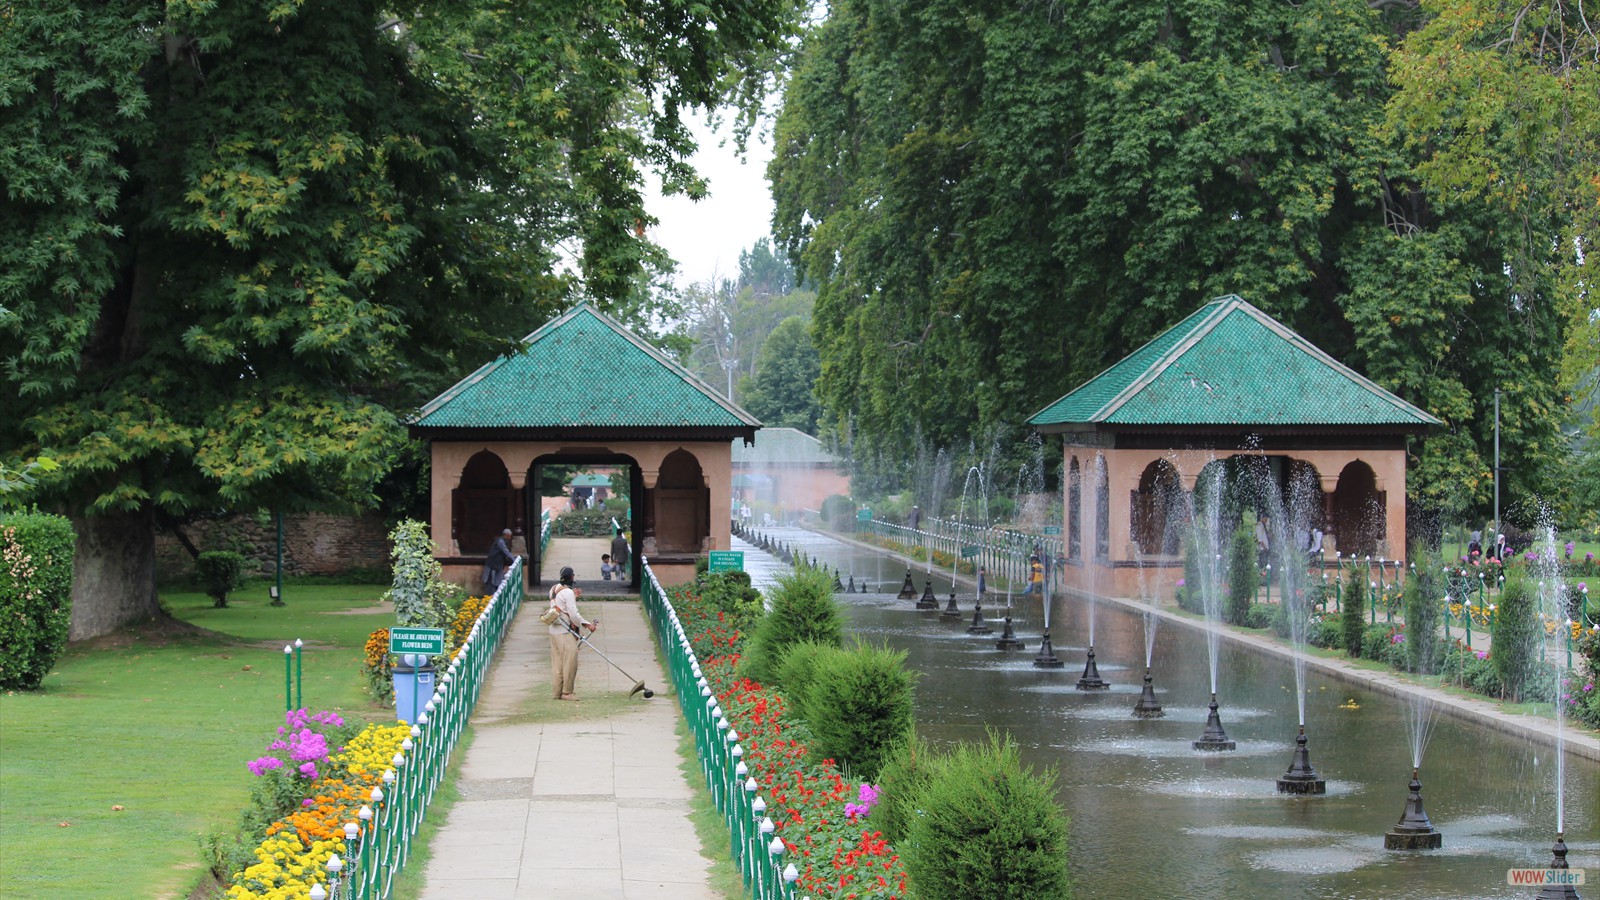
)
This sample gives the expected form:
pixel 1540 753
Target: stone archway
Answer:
pixel 1358 511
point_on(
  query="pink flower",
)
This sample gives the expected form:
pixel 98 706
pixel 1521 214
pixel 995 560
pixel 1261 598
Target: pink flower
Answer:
pixel 1483 654
pixel 309 770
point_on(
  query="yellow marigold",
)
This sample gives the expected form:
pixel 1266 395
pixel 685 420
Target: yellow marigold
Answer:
pixel 466 617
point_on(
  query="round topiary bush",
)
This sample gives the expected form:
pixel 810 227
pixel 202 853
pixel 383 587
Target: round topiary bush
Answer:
pixel 221 572
pixel 857 704
pixel 989 827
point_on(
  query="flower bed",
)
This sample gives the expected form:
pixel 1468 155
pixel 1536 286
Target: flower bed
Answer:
pixel 821 816
pixel 324 790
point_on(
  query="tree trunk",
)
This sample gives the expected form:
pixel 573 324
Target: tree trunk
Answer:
pixel 114 580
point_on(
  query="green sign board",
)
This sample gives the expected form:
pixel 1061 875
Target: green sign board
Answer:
pixel 969 551
pixel 864 515
pixel 427 641
pixel 1052 529
pixel 725 561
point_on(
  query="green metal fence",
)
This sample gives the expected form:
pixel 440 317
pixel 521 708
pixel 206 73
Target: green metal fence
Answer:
pixel 1001 552
pixel 380 843
pixel 754 846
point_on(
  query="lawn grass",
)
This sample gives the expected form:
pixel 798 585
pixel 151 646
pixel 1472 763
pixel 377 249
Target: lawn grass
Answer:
pixel 161 722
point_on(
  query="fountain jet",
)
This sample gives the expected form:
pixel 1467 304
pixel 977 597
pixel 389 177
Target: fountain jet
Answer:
pixel 908 591
pixel 1091 680
pixel 951 610
pixel 1008 639
pixel 1148 706
pixel 979 624
pixel 1558 861
pixel 1214 739
pixel 1415 832
pixel 1302 779
pixel 927 601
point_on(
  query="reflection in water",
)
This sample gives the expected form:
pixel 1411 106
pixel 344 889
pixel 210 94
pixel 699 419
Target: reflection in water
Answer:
pixel 1211 825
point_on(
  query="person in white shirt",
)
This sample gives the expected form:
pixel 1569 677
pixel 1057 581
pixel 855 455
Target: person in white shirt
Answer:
pixel 564 637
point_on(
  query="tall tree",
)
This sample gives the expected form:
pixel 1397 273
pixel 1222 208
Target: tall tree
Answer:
pixel 239 240
pixel 781 392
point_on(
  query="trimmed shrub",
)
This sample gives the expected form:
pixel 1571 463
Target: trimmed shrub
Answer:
pixel 803 609
pixel 1262 615
pixel 221 572
pixel 857 704
pixel 1243 576
pixel 902 779
pixel 731 594
pixel 797 670
pixel 1515 635
pixel 1353 613
pixel 1421 596
pixel 838 512
pixel 989 828
pixel 1328 633
pixel 1189 593
pixel 36 553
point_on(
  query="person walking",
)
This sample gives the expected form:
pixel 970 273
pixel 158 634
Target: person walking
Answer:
pixel 497 561
pixel 619 555
pixel 1035 575
pixel 564 637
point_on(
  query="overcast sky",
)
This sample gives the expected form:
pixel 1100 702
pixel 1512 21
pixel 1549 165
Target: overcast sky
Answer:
pixel 707 237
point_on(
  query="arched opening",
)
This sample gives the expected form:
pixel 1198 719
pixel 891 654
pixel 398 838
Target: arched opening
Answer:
pixel 483 504
pixel 682 505
pixel 1154 509
pixel 1358 511
pixel 1074 509
pixel 1305 508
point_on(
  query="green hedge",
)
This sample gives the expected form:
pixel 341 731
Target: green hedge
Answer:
pixel 1516 633
pixel 36 553
pixel 1244 579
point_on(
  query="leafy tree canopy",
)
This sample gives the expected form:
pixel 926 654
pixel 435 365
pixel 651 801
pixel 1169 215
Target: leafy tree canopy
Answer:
pixel 996 201
pixel 780 393
pixel 240 239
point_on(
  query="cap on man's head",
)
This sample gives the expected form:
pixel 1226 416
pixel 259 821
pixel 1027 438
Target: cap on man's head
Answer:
pixel 506 532
pixel 567 575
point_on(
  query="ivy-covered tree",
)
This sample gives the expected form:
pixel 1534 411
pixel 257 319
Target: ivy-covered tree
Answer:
pixel 239 240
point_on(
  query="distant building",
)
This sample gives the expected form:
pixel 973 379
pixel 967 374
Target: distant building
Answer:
pixel 786 470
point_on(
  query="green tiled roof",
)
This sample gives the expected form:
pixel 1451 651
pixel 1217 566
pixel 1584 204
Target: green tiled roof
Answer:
pixel 783 446
pixel 1230 364
pixel 583 369
pixel 591 480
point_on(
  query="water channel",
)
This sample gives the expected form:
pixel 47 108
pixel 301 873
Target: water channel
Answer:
pixel 1151 817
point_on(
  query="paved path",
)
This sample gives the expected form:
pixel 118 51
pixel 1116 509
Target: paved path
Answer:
pixel 571 800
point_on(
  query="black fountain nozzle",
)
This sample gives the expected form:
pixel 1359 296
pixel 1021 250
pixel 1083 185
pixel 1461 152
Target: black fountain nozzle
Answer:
pixel 1008 639
pixel 1214 739
pixel 1301 778
pixel 979 624
pixel 927 600
pixel 1558 862
pixel 1047 654
pixel 1148 706
pixel 1091 680
pixel 908 591
pixel 951 610
pixel 850 586
pixel 1415 832
pixel 838 586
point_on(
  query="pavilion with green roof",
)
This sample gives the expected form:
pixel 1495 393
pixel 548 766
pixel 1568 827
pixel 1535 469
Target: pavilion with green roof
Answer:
pixel 1227 386
pixel 583 390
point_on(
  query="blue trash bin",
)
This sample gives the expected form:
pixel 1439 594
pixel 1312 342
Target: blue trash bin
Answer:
pixel 413 686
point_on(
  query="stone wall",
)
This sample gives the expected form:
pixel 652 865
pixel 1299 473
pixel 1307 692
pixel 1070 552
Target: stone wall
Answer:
pixel 313 544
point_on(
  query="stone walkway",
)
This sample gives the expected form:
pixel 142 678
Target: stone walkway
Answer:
pixel 571 800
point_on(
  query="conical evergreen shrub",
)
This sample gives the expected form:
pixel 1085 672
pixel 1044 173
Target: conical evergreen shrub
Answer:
pixel 803 609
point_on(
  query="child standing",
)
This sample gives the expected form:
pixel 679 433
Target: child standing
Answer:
pixel 606 568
